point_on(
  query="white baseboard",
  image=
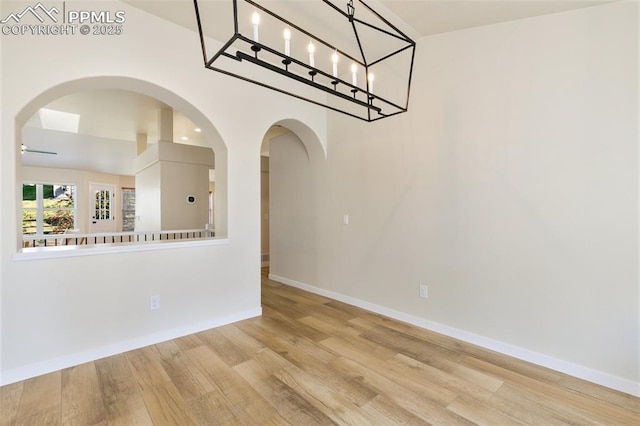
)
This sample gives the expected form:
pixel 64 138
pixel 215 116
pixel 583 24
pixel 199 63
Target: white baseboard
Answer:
pixel 38 369
pixel 575 370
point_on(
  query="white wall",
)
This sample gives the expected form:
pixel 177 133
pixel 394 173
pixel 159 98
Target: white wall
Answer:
pixel 293 209
pixel 58 312
pixel 264 206
pixel 149 201
pixel 510 188
pixel 167 174
pixel 179 181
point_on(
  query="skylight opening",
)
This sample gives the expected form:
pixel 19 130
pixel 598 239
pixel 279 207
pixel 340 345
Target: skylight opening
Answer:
pixel 59 120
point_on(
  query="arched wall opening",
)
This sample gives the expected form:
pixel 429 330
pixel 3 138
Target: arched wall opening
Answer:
pixel 291 154
pixel 209 132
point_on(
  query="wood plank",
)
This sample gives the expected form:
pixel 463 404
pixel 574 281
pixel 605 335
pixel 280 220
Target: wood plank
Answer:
pixel 331 403
pixel 188 342
pixel 280 304
pixel 245 342
pixel 412 346
pixel 551 395
pixel 331 326
pixel 147 368
pixel 421 404
pixel 480 413
pixel 387 412
pixel 187 378
pixel 212 409
pixel 411 370
pixel 82 402
pixel 353 391
pixel 266 332
pixel 220 377
pixel 275 420
pixel 464 348
pixel 166 406
pixel 477 377
pixel 230 390
pixel 298 296
pixel 535 372
pixel 41 401
pixel 289 404
pixel 122 398
pixel 225 348
pixel 10 396
pixel 531 410
pixel 329 313
pixel 400 376
pixel 610 396
pixel 292 326
pixel 358 349
pixel 272 286
pixel 361 314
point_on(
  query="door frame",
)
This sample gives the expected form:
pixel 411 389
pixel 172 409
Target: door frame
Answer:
pixel 112 207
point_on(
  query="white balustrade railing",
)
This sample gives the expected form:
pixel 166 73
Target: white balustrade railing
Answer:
pixel 73 239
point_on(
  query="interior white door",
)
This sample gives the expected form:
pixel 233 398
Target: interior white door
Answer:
pixel 102 208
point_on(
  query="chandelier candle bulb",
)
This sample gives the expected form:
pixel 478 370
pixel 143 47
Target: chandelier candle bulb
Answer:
pixel 354 74
pixel 347 41
pixel 255 20
pixel 311 48
pixel 287 42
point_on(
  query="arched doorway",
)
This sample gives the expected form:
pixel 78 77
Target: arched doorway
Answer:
pixel 134 91
pixel 290 154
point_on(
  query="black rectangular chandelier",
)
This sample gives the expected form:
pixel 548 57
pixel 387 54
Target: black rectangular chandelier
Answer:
pixel 315 51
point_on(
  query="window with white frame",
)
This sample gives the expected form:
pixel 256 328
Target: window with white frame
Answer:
pixel 48 208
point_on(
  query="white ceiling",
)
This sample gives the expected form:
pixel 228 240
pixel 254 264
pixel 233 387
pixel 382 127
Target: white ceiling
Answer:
pixel 415 17
pixel 430 17
pixel 121 115
pixel 110 121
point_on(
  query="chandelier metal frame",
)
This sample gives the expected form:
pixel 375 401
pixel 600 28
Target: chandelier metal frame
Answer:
pixel 375 107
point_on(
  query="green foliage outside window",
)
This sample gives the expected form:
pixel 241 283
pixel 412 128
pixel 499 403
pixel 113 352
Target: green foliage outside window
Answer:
pixel 58 209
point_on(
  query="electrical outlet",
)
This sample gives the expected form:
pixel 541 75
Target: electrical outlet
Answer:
pixel 423 291
pixel 154 303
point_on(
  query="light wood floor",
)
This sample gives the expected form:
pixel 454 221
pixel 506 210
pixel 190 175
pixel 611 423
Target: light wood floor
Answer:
pixel 311 360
